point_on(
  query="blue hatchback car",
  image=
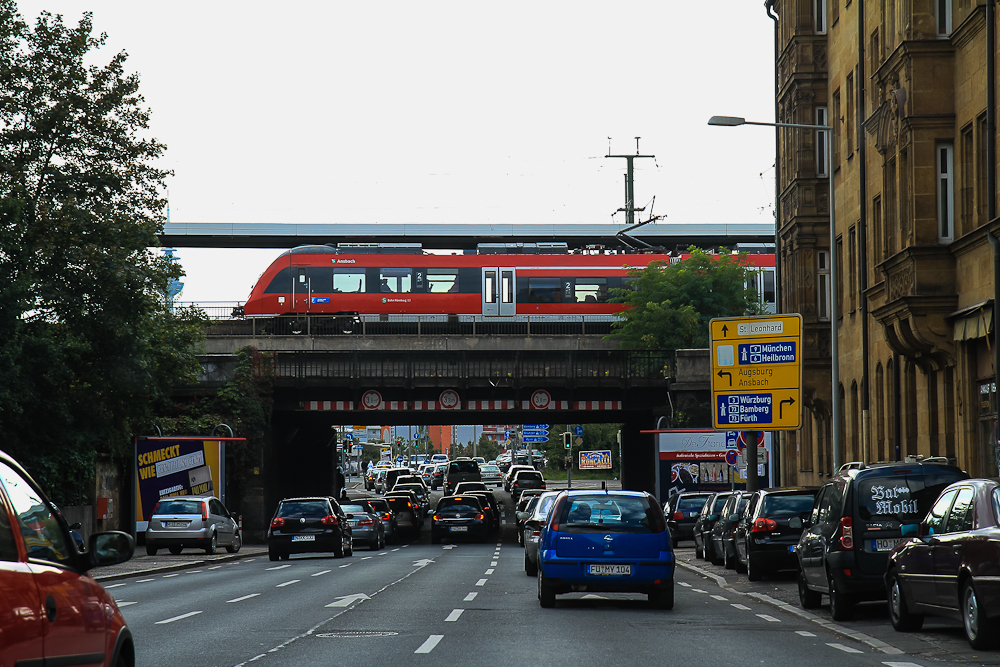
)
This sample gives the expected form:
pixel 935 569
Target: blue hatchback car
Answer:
pixel 606 541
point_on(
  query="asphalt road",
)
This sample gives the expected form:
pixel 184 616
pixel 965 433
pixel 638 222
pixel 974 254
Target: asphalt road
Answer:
pixel 466 603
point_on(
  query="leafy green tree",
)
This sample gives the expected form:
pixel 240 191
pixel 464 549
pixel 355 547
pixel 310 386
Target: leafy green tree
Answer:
pixel 668 306
pixel 89 345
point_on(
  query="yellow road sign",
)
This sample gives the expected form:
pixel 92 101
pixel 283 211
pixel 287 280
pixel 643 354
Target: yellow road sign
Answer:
pixel 757 372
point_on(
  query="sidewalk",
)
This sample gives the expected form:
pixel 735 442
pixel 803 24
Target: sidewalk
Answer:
pixel 165 561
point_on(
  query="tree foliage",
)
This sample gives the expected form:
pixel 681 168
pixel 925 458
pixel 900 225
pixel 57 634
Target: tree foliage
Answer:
pixel 88 342
pixel 669 306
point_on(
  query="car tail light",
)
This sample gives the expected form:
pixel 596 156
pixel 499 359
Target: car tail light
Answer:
pixel 435 517
pixel 481 517
pixel 543 485
pixel 536 533
pixel 764 525
pixel 277 522
pixel 386 515
pixel 409 504
pixel 517 484
pixel 330 520
pixel 846 533
pixel 678 515
pixel 204 511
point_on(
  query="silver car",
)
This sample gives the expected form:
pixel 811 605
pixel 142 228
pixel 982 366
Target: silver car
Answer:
pixel 201 522
pixel 532 531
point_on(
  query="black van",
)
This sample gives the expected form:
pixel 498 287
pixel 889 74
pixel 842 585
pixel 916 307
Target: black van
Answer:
pixel 854 524
pixel 461 470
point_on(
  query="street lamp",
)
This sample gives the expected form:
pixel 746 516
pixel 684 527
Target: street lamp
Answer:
pixel 733 121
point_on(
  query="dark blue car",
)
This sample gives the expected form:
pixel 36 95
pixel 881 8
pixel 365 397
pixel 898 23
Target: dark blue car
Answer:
pixel 606 541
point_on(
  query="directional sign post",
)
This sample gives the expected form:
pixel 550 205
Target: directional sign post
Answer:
pixel 756 378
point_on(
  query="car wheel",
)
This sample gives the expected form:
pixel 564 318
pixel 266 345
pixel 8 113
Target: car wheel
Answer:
pixel 235 545
pixel 899 611
pixel 698 551
pixel 175 550
pixel 286 556
pixel 841 604
pixel 663 598
pixel 715 560
pixel 338 551
pixel 273 555
pixel 731 562
pixel 530 568
pixel 808 598
pixel 979 630
pixel 350 547
pixel 546 595
pixel 753 571
pixel 150 551
pixel 213 544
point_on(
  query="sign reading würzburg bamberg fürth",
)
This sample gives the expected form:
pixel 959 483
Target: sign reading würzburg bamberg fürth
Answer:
pixel 757 372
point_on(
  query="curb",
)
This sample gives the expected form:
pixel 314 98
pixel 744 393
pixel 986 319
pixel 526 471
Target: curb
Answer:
pixel 178 566
pixel 861 637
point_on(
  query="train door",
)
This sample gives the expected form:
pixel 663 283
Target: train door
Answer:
pixel 300 290
pixel 498 290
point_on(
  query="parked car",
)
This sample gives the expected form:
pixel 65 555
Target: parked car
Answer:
pixel 366 524
pixel 387 517
pixel 531 530
pixel 491 474
pixel 459 516
pixel 524 480
pixel 722 545
pixel 869 504
pixel 522 510
pixel 54 612
pixel 950 564
pixel 308 525
pixel 460 470
pixel 770 529
pixel 707 517
pixel 682 513
pixel 201 522
pixel 606 541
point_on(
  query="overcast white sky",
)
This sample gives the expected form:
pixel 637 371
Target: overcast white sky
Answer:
pixel 426 111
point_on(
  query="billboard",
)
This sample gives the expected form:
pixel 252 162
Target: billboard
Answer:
pixel 165 467
pixel 595 460
pixel 695 460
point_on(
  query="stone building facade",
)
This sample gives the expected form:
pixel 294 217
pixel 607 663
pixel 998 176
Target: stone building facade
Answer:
pixel 908 87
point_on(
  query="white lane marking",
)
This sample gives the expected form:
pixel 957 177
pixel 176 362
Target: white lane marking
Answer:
pixel 319 573
pixel 454 615
pixel 901 664
pixel 348 565
pixel 277 567
pixel 396 549
pixel 348 600
pixel 288 583
pixel 481 582
pixel 770 619
pixel 841 647
pixel 492 564
pixel 470 597
pixel 685 585
pixel 384 553
pixel 405 545
pixel 142 581
pixel 113 586
pixel 449 546
pixel 719 597
pixel 429 645
pixel 215 567
pixel 365 557
pixel 175 574
pixel 124 604
pixel 591 596
pixel 489 571
pixel 245 597
pixel 193 571
pixel 806 633
pixel 698 590
pixel 177 618
pixel 741 606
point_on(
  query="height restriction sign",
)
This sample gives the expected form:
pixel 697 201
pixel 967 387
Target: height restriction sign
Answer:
pixel 757 372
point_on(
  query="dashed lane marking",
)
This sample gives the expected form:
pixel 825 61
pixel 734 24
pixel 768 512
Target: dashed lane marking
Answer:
pixel 454 615
pixel 277 567
pixel 142 581
pixel 288 583
pixel 492 564
pixel 481 582
pixel 114 586
pixel 177 618
pixel 741 606
pixel 841 647
pixel 470 597
pixel 347 565
pixel 719 597
pixel 806 633
pixel 396 549
pixel 489 571
pixel 769 619
pixel 698 590
pixel 684 584
pixel 245 597
pixel 125 604
pixel 320 573
pixel 175 574
pixel 429 645
pixel 365 557
pixel 215 567
pixel 901 664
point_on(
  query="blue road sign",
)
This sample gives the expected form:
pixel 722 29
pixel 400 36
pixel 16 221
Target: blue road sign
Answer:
pixel 534 426
pixel 535 432
pixel 743 408
pixel 768 353
pixel 534 438
pixel 578 430
pixel 348 436
pixel 731 457
pixel 506 435
pixel 400 458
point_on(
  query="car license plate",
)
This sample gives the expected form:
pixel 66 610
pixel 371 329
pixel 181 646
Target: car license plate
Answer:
pixel 175 524
pixel 791 548
pixel 303 538
pixel 885 544
pixel 459 529
pixel 610 570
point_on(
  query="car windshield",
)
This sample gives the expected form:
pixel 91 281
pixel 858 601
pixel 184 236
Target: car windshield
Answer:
pixel 294 508
pixel 903 495
pixel 178 507
pixel 788 506
pixel 692 503
pixel 603 513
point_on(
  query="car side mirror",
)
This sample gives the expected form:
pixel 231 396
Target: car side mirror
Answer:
pixel 109 548
pixel 795 523
pixel 734 518
pixel 909 529
pixel 713 517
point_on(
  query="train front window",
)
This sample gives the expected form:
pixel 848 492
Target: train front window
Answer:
pixel 396 280
pixel 348 280
pixel 591 290
pixel 441 281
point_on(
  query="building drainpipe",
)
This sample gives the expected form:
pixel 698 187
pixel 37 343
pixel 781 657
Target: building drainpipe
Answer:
pixel 863 243
pixel 991 174
pixel 777 436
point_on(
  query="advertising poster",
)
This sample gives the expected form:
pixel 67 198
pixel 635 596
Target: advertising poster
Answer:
pixel 695 460
pixel 596 460
pixel 167 467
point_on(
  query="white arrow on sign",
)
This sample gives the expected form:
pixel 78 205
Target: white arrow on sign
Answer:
pixel 423 562
pixel 348 600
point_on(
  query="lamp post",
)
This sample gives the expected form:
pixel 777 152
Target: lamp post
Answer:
pixel 733 121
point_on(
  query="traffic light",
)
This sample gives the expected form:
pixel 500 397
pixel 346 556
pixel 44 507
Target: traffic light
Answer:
pixel 567 440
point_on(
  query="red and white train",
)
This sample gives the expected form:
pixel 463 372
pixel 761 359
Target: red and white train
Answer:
pixel 384 281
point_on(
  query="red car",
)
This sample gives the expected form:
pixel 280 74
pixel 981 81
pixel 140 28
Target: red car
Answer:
pixel 64 616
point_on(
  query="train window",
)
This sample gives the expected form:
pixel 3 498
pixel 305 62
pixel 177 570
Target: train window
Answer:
pixel 440 281
pixel 348 280
pixel 591 290
pixel 544 290
pixel 395 280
